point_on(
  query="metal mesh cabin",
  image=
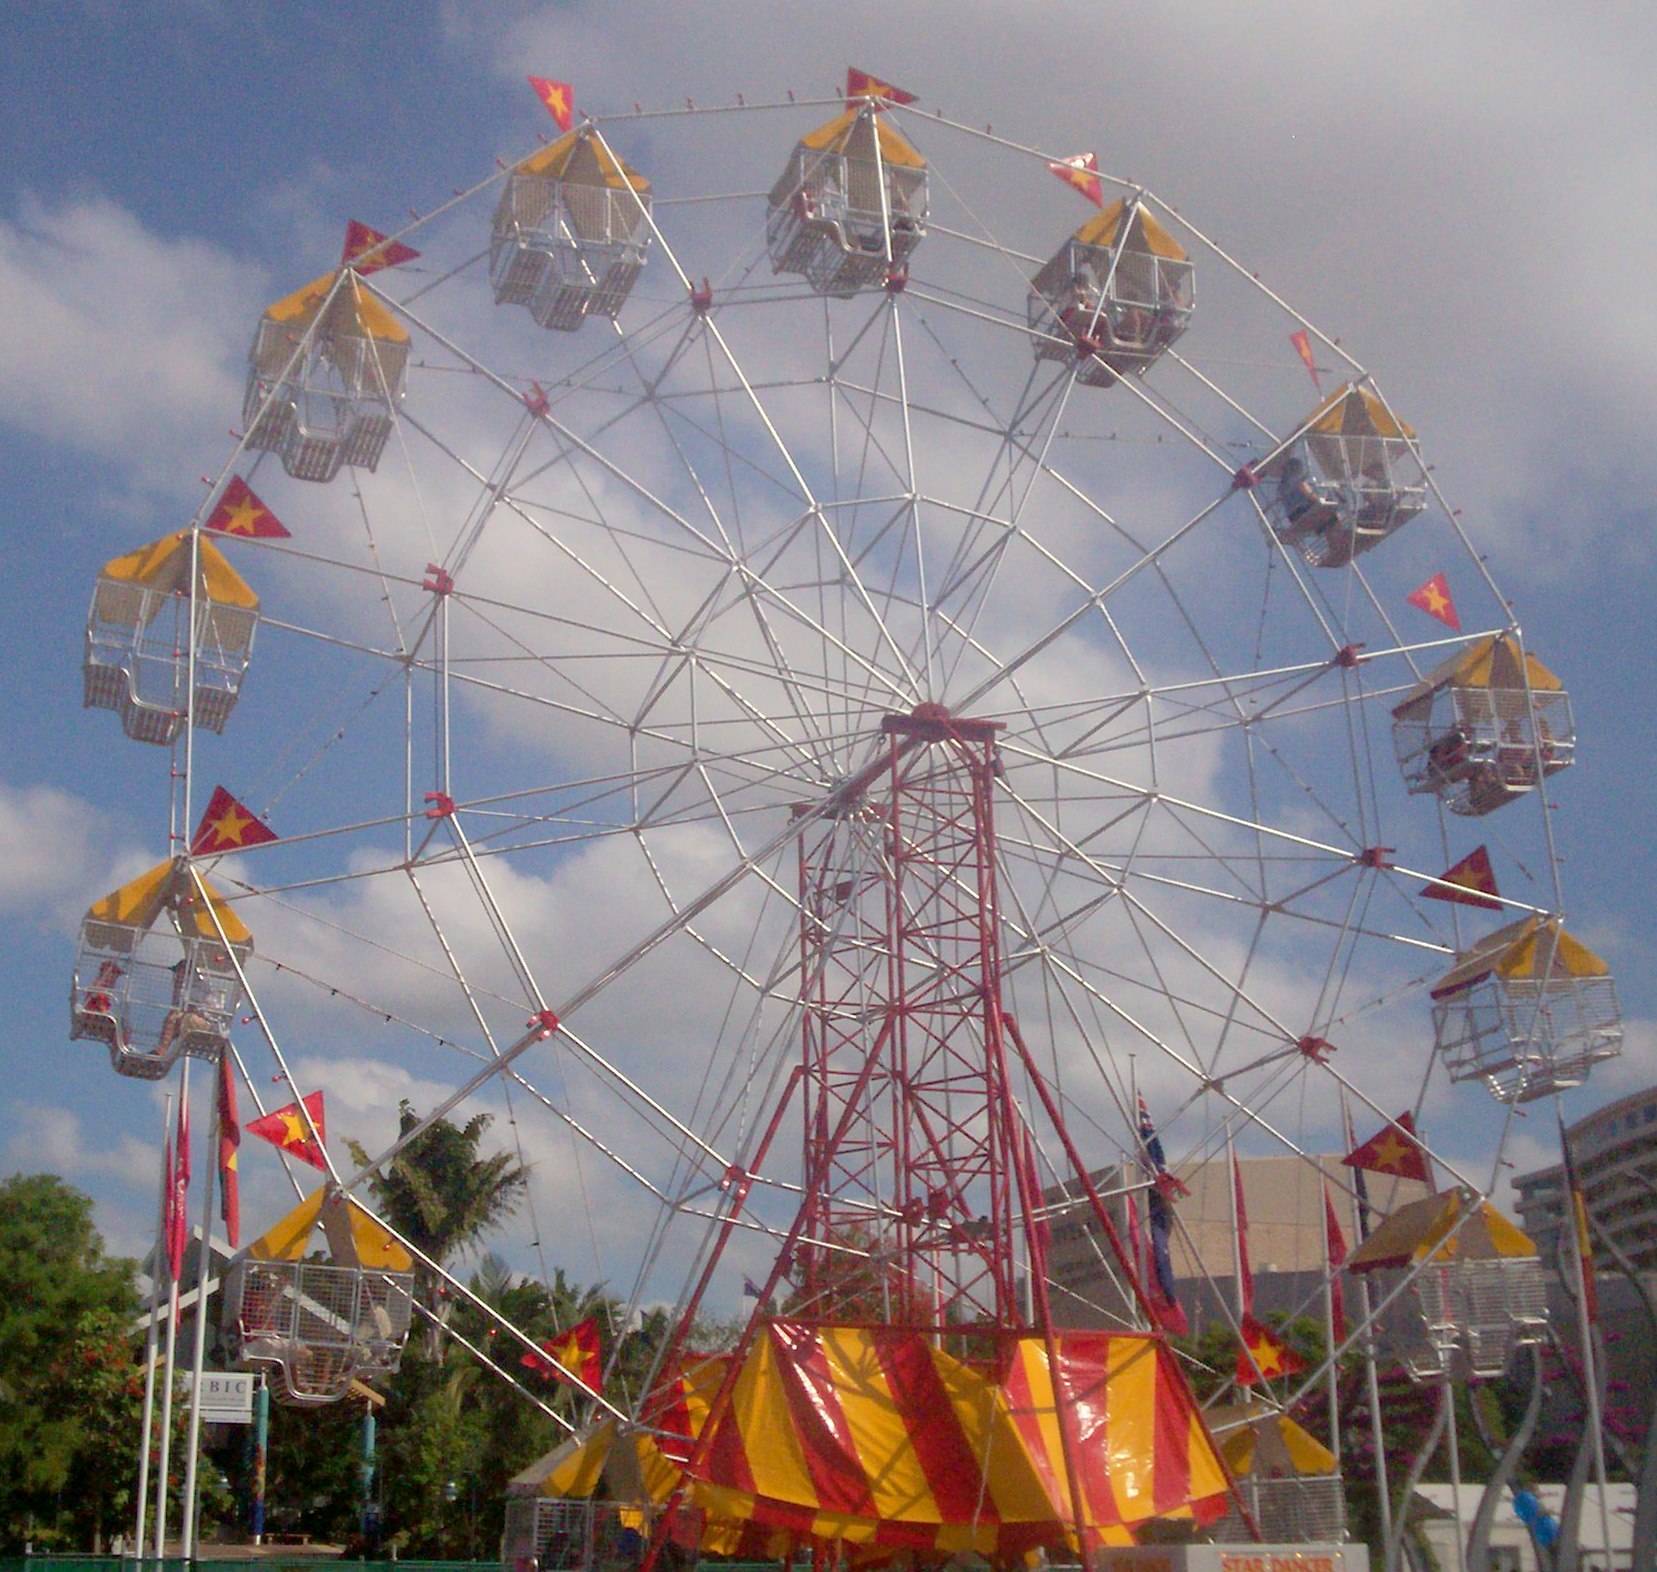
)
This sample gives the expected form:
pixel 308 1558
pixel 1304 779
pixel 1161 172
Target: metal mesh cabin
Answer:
pixel 155 991
pixel 1113 297
pixel 326 370
pixel 1483 728
pixel 1477 1289
pixel 1349 479
pixel 155 652
pixel 1287 1478
pixel 850 207
pixel 316 1325
pixel 1528 1010
pixel 570 233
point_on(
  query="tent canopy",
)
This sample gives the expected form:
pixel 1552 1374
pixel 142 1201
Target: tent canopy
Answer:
pixel 1425 1231
pixel 1533 949
pixel 168 884
pixel 1490 663
pixel 875 1437
pixel 1262 1443
pixel 164 566
pixel 1145 233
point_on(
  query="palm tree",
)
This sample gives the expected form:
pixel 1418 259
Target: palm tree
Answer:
pixel 443 1197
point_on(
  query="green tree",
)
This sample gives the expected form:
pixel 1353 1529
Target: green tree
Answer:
pixel 70 1373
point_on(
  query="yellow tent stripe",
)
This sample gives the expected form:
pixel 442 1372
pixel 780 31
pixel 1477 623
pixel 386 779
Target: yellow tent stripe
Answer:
pixel 892 1466
pixel 1130 1423
pixel 288 1239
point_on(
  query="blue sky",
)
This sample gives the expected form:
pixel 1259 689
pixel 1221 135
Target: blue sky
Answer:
pixel 1464 199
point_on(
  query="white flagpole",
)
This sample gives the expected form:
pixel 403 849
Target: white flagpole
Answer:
pixel 1329 1324
pixel 152 1336
pixel 204 1262
pixel 167 1386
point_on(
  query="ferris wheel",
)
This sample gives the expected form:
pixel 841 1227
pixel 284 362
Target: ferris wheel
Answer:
pixel 715 490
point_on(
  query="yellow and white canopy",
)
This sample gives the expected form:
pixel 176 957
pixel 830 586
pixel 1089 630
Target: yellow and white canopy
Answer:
pixel 354 1237
pixel 1145 233
pixel 585 160
pixel 1426 1231
pixel 115 921
pixel 350 308
pixel 1534 949
pixel 163 566
pixel 851 133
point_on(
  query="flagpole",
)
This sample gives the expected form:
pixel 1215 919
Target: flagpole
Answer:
pixel 1235 1185
pixel 204 1254
pixel 1577 1223
pixel 152 1335
pixel 1372 1382
pixel 165 1457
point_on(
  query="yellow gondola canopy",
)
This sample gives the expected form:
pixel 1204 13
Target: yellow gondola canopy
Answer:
pixel 584 159
pixel 1427 1231
pixel 1260 1443
pixel 354 1237
pixel 347 306
pixel 1357 412
pixel 837 136
pixel 1533 949
pixel 169 886
pixel 164 566
pixel 1144 232
pixel 1493 663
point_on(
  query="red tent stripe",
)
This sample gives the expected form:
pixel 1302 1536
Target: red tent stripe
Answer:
pixel 1171 1471
pixel 947 1458
pixel 820 1423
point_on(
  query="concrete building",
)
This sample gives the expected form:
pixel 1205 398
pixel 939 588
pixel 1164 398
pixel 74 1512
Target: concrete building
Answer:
pixel 1283 1202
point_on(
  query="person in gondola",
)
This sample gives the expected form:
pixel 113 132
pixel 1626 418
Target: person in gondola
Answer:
pixel 1304 511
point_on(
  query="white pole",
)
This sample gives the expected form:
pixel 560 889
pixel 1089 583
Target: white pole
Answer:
pixel 1453 1441
pixel 204 1261
pixel 1329 1324
pixel 151 1336
pixel 1585 1326
pixel 167 1387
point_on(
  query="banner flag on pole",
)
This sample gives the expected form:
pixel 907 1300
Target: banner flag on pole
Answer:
pixel 230 1140
pixel 559 99
pixel 286 1130
pixel 1433 597
pixel 1393 1150
pixel 227 825
pixel 240 512
pixel 1081 173
pixel 1470 882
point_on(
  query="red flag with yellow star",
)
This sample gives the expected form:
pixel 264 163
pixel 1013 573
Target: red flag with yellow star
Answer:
pixel 230 1139
pixel 1081 173
pixel 1394 1151
pixel 559 98
pixel 1434 598
pixel 1264 1355
pixel 573 1353
pixel 860 85
pixel 240 512
pixel 367 250
pixel 1470 882
pixel 285 1129
pixel 228 826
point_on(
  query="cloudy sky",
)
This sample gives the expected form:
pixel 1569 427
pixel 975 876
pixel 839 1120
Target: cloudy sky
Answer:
pixel 1462 196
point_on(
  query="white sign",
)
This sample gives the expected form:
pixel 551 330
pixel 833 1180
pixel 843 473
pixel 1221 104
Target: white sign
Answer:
pixel 226 1397
pixel 1235 1558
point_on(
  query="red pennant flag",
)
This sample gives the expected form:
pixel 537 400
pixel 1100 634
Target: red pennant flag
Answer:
pixel 1434 598
pixel 367 250
pixel 1393 1150
pixel 1264 1355
pixel 240 512
pixel 228 826
pixel 1302 342
pixel 1081 173
pixel 860 85
pixel 1470 882
pixel 1245 1272
pixel 285 1129
pixel 574 1353
pixel 230 1139
pixel 1334 1248
pixel 176 1224
pixel 559 98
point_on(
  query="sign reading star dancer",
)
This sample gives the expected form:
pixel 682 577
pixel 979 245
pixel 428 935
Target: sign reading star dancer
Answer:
pixel 559 99
pixel 240 512
pixel 1434 598
pixel 1394 1151
pixel 286 1130
pixel 228 826
pixel 1470 882
pixel 860 85
pixel 1081 173
pixel 367 250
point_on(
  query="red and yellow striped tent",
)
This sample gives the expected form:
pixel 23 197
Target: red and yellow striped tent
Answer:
pixel 876 1438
